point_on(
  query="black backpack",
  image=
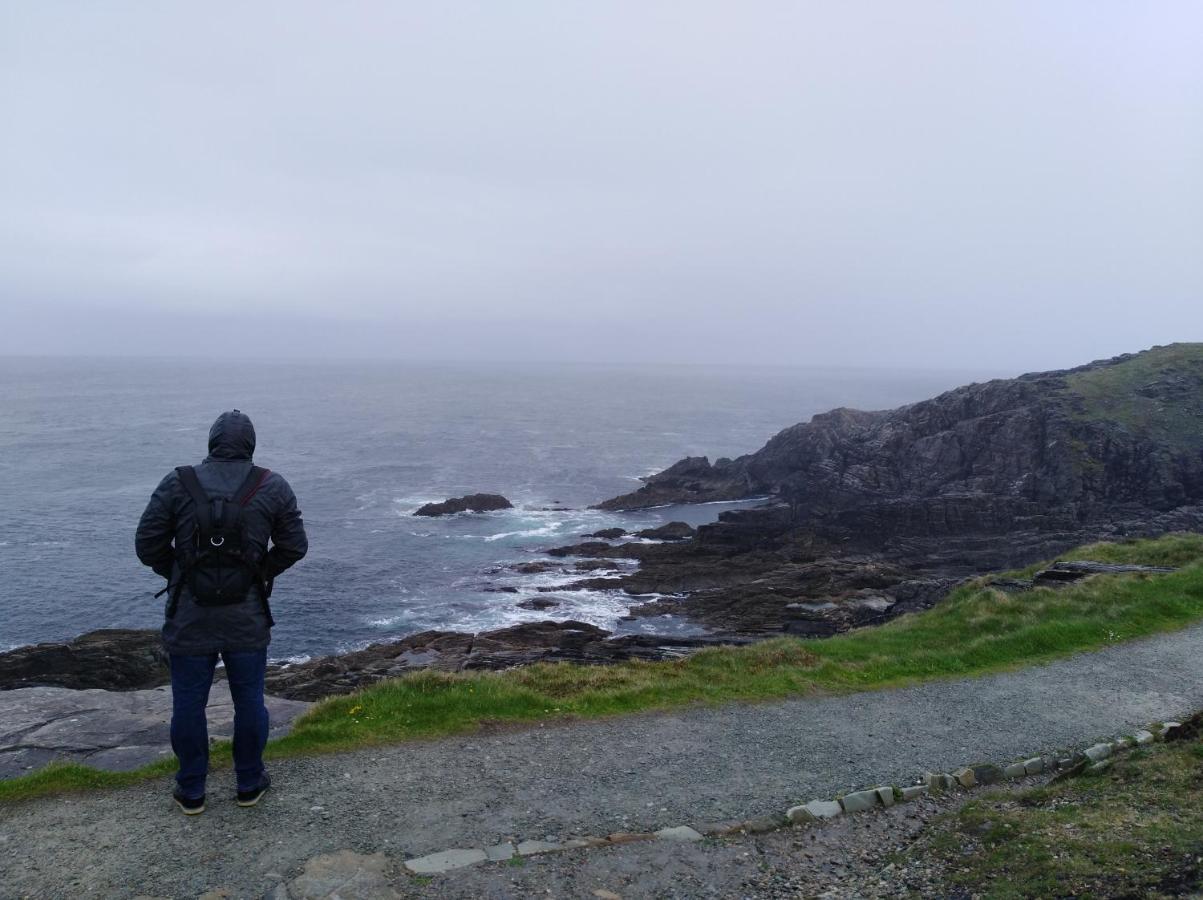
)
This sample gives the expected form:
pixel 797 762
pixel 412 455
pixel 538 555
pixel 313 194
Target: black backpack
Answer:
pixel 217 566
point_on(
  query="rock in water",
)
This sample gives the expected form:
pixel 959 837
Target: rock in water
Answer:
pixel 470 503
pixel 539 603
pixel 673 531
pixel 113 659
pixel 608 534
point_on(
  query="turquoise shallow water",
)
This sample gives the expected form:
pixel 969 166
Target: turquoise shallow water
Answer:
pixel 83 442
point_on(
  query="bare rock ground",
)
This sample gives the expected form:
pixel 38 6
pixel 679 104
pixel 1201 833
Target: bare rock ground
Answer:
pixel 557 782
pixel 114 730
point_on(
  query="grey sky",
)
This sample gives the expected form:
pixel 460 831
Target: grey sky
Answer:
pixel 1005 184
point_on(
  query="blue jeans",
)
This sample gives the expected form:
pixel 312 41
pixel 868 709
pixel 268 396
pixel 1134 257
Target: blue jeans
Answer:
pixel 191 678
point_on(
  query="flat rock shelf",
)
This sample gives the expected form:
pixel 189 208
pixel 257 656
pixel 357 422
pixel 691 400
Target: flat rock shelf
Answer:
pixel 114 730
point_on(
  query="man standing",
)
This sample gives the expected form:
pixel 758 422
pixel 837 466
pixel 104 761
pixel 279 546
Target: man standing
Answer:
pixel 206 530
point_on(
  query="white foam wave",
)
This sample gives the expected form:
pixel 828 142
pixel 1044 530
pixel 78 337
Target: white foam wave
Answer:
pixel 546 531
pixel 386 621
pixel 293 660
pixel 600 608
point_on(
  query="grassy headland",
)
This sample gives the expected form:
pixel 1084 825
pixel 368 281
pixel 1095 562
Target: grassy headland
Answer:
pixel 977 629
pixel 1121 393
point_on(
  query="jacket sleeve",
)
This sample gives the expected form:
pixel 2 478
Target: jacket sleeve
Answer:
pixel 156 529
pixel 289 542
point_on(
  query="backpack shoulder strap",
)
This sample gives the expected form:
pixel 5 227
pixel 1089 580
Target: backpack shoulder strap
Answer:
pixel 200 500
pixel 250 486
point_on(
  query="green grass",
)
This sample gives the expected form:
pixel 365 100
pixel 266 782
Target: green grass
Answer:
pixel 977 629
pixel 62 777
pixel 1113 393
pixel 1133 830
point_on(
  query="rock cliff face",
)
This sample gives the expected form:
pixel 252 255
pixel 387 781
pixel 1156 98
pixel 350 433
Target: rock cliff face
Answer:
pixel 113 659
pixel 876 513
pixel 1053 450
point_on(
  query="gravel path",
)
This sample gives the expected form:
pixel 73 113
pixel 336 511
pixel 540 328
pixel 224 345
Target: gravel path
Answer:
pixel 631 774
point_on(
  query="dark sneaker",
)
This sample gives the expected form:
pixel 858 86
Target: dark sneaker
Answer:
pixel 190 807
pixel 250 798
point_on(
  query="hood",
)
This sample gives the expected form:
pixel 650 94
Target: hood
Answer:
pixel 232 436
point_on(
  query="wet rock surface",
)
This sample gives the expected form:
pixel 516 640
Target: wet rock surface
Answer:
pixel 451 651
pixel 470 503
pixel 115 730
pixel 673 531
pixel 874 514
pixel 112 659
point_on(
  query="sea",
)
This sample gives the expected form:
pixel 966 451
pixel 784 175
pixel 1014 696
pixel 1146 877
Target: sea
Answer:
pixel 84 441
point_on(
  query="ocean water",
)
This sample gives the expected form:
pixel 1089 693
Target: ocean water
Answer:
pixel 84 441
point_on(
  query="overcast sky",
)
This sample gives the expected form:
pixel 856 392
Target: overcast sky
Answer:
pixel 1002 185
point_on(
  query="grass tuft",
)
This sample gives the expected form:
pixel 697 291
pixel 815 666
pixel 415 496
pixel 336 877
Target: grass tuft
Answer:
pixel 1132 830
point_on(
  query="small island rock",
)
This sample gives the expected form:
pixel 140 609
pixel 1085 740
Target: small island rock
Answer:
pixel 470 503
pixel 608 534
pixel 673 531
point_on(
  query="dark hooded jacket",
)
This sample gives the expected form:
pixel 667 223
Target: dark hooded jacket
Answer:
pixel 271 517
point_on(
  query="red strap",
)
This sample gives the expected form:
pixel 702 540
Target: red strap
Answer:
pixel 253 491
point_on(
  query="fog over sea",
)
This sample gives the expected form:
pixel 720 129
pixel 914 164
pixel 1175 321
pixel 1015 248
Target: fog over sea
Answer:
pixel 84 441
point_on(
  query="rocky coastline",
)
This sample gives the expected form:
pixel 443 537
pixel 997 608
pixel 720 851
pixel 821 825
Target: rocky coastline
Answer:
pixel 873 514
pixel 870 515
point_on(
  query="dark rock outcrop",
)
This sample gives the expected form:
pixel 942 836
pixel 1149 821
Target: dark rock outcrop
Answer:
pixel 112 659
pixel 673 531
pixel 539 603
pixel 537 567
pixel 1051 450
pixel 692 480
pixel 905 503
pixel 470 503
pixel 454 652
pixel 608 534
pixel 1065 572
pixel 597 550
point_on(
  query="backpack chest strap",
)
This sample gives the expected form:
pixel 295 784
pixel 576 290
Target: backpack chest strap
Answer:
pixel 219 514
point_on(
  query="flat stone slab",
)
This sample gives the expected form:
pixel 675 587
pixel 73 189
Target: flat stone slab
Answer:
pixel 914 792
pixel 987 773
pixel 345 875
pixel 939 781
pixel 534 848
pixel 445 861
pixel 815 810
pixel 859 801
pixel 500 852
pixel 113 730
pixel 1098 752
pixel 681 833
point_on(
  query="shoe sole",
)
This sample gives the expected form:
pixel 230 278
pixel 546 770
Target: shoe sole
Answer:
pixel 258 797
pixel 190 811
